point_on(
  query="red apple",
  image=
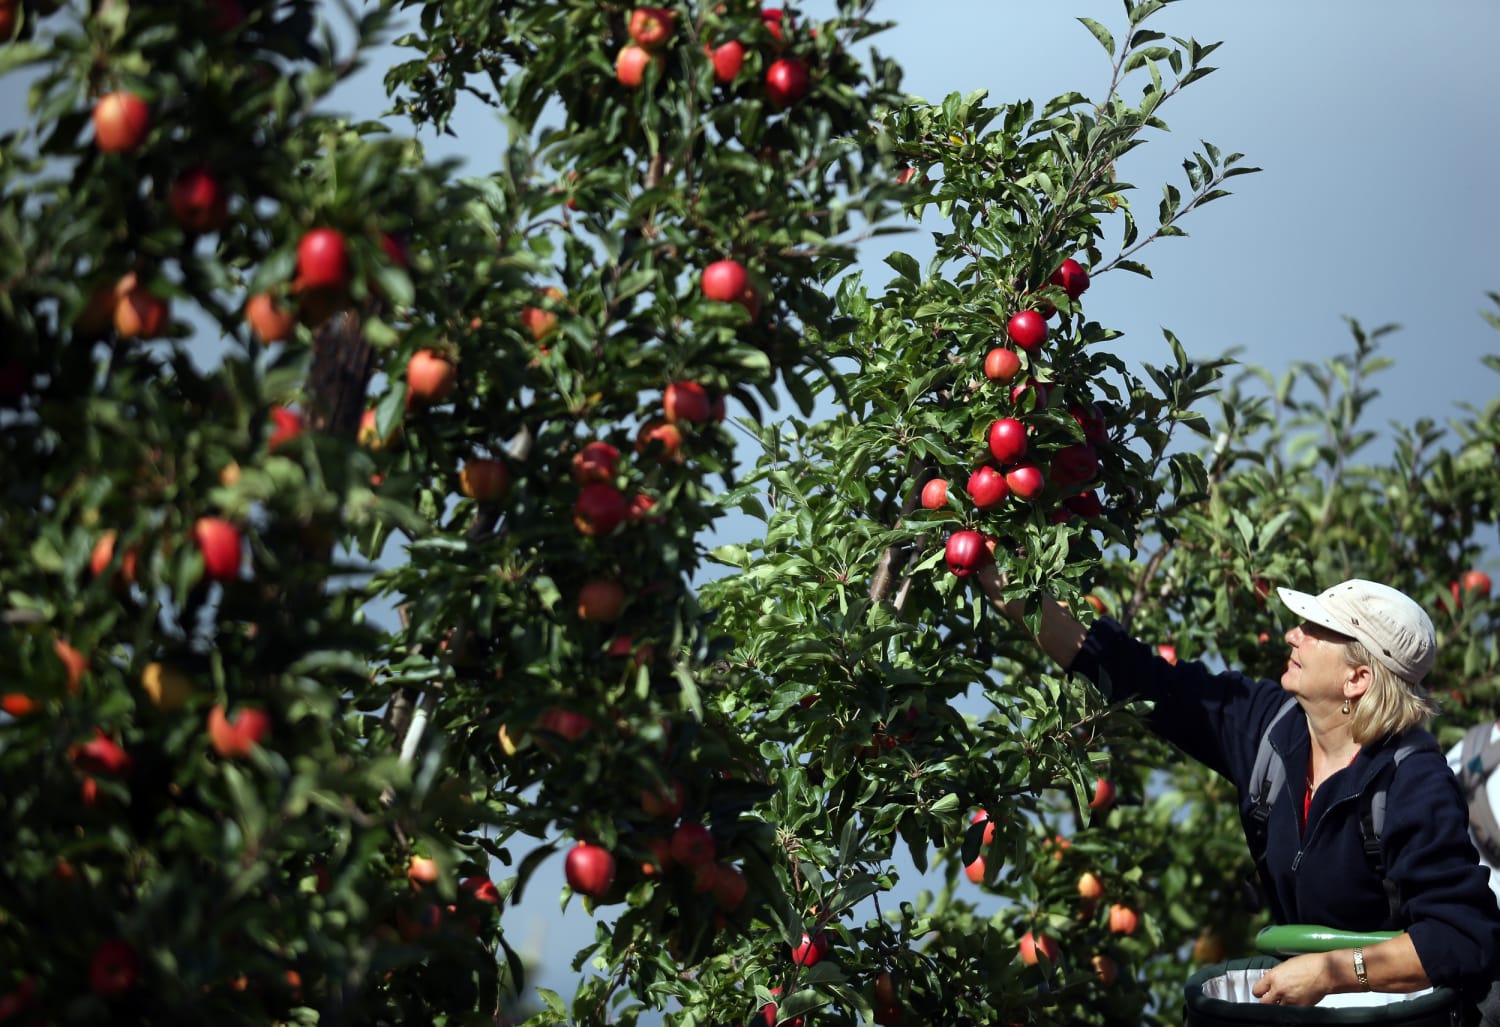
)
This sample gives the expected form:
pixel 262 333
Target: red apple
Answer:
pixel 1104 795
pixel 590 869
pixel 286 426
pixel 1091 420
pixel 726 281
pixel 121 122
pixel 977 872
pixel 1007 439
pixel 237 738
pixel 728 58
pixel 811 950
pixel 1473 582
pixel 18 705
pixel 631 64
pixel 661 857
pixel 640 509
pixel 323 260
pixel 219 542
pixel 1001 364
pixel 652 26
pixel 596 462
pixel 686 401
pixel 1168 652
pixel 1075 464
pixel 1025 480
pixel 198 201
pixel 601 600
pixel 599 509
pixel 1123 919
pixel 1089 887
pixel 268 321
pixel 981 817
pixel 104 552
pixel 567 724
pixel 1027 329
pixel 1105 968
pixel 540 322
pixel 139 313
pixel 771 1014
pixel 935 494
pixel 481 889
pixel 101 756
pixel 787 81
pixel 1041 391
pixel 369 431
pixel 693 845
pixel 75 664
pixel 966 552
pixel 1071 278
pixel 1038 946
pixel 396 249
pixel 430 378
pixel 987 487
pixel 1085 504
pixel 113 968
pixel 422 870
pixel 772 18
pixel 484 479
pixel 664 801
pixel 663 434
pixel 729 887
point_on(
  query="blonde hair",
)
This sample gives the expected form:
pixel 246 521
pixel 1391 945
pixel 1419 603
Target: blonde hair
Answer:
pixel 1391 705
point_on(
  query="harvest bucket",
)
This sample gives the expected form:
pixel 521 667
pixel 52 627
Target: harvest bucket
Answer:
pixel 1220 995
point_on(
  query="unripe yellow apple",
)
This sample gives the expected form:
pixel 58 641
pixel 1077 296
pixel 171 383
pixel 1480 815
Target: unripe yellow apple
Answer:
pixel 167 687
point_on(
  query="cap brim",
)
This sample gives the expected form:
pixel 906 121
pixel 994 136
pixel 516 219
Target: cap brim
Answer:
pixel 1308 608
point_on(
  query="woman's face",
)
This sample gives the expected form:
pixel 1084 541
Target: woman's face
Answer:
pixel 1315 668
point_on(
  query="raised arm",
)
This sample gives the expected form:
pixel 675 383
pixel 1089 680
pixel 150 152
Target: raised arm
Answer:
pixel 1060 635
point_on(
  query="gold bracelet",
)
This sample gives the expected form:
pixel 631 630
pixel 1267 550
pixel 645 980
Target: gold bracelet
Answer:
pixel 1359 968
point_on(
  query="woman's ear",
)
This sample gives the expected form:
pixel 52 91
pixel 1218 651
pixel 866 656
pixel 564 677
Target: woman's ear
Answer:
pixel 1359 681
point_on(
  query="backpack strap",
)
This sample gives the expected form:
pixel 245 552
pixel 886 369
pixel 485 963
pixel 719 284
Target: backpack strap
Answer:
pixel 1478 758
pixel 1372 818
pixel 1267 779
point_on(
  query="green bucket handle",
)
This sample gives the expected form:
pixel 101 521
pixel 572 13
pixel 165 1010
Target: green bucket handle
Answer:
pixel 1295 939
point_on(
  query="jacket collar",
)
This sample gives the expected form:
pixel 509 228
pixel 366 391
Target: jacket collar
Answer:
pixel 1292 741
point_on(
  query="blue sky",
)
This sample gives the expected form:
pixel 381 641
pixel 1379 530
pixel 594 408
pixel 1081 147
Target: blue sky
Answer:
pixel 1375 124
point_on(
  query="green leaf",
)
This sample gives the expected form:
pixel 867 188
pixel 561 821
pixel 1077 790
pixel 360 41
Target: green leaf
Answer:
pixel 1100 33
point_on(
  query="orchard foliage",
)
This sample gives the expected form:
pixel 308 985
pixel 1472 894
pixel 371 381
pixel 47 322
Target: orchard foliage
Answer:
pixel 269 374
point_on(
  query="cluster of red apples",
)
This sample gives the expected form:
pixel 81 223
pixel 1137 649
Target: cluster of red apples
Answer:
pixel 676 845
pixel 652 30
pixel 1012 470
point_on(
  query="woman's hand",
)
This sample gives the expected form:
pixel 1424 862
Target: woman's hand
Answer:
pixel 1391 966
pixel 1300 981
pixel 1061 634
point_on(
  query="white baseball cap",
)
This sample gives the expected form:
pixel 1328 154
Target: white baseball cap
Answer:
pixel 1391 625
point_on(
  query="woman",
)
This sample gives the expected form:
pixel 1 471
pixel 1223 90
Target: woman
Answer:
pixel 1355 668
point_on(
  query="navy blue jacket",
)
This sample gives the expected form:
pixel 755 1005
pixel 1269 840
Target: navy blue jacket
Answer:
pixel 1321 876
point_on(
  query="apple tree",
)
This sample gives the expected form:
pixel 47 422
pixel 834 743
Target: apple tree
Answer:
pixel 354 507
